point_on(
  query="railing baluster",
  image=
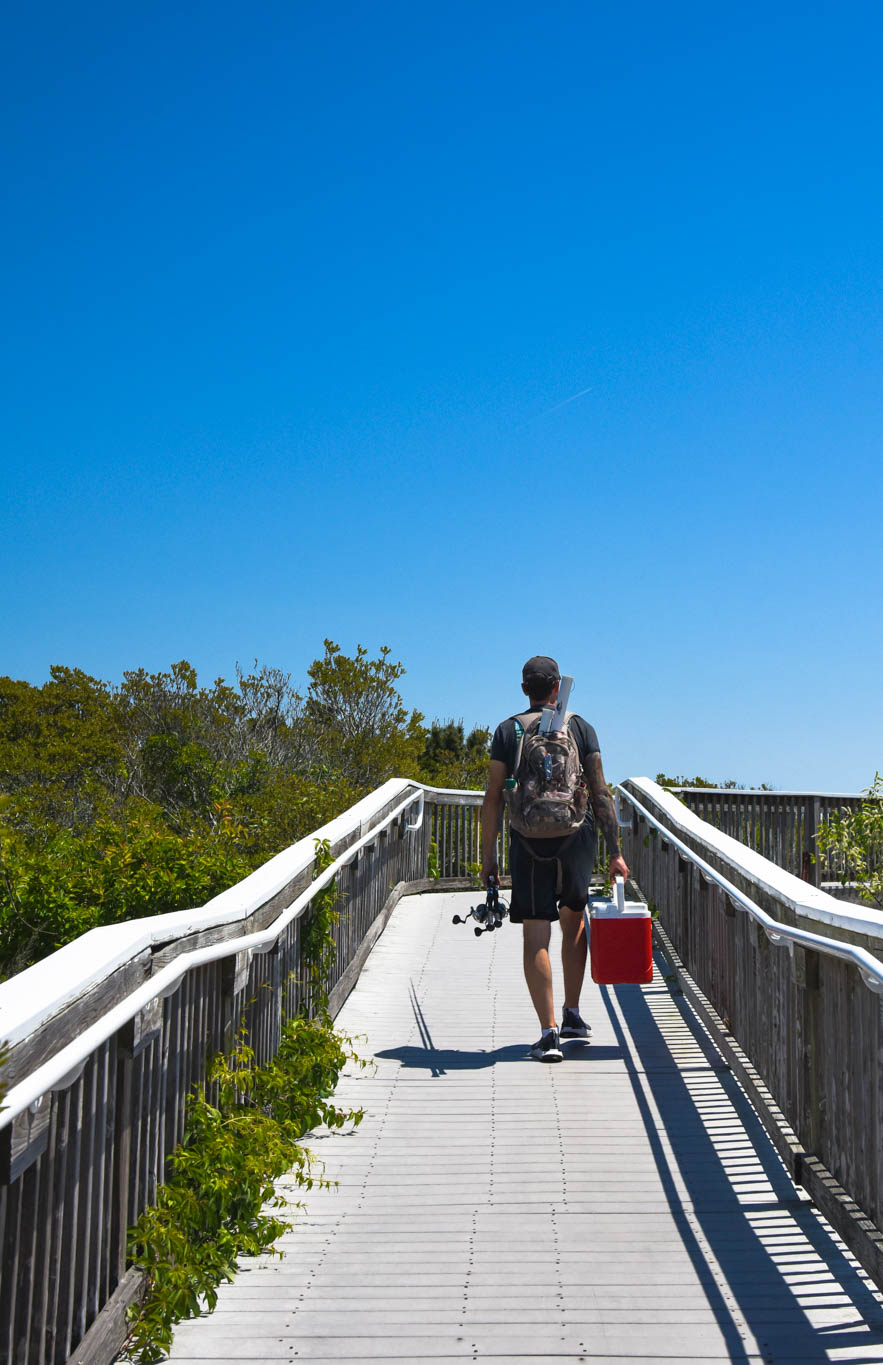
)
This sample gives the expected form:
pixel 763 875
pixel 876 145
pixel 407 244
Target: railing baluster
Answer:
pixel 12 1196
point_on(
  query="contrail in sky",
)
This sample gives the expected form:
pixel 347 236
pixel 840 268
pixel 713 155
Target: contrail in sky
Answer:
pixel 565 401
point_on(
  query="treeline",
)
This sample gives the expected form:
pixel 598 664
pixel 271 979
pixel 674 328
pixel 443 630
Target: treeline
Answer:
pixel 154 794
pixel 730 785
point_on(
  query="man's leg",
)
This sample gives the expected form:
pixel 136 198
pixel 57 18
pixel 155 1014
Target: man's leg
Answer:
pixel 538 969
pixel 574 951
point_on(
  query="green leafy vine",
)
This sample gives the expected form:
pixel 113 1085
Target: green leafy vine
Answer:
pixel 219 1201
pixel 318 947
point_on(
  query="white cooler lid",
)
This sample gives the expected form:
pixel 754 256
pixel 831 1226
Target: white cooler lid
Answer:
pixel 617 907
pixel 609 910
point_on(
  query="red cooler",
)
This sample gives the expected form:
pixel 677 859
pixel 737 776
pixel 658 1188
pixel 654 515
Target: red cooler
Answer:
pixel 620 939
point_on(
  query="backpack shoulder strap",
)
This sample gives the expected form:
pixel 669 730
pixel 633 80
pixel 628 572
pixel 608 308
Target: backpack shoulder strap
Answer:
pixel 523 723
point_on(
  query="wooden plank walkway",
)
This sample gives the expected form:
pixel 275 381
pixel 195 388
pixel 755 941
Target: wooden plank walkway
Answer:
pixel 625 1205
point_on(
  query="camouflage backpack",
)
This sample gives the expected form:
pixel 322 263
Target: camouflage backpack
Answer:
pixel 548 796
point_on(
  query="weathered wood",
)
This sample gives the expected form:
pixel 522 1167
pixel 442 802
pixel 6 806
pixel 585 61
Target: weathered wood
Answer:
pixel 106 1337
pixel 67 1300
pixel 121 1206
pixel 428 884
pixel 56 1033
pixel 97 1167
pixel 12 1197
pixel 853 1225
pixel 36 1328
pixel 96 1211
pixel 27 1247
pixel 647 1219
pixel 261 919
pixel 56 1230
pixel 351 975
pixel 783 1136
pixel 84 1223
pixel 810 1026
pixel 782 826
pixel 23 1141
pixel 465 798
pixel 101 1161
pixel 860 1234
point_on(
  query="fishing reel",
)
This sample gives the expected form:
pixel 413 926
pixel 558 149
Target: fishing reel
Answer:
pixel 490 915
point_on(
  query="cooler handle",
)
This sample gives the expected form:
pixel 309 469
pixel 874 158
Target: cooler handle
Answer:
pixel 619 894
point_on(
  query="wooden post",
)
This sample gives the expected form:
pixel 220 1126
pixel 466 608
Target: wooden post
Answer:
pixel 812 868
pixel 807 1041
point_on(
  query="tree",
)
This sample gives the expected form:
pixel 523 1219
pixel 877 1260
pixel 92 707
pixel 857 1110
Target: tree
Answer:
pixel 451 758
pixel 154 794
pixel 61 749
pixel 189 747
pixel 853 841
pixel 364 730
pixel 113 870
pixel 730 785
pixel 177 739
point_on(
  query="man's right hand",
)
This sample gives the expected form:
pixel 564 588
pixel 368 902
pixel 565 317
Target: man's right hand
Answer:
pixel 618 868
pixel 489 868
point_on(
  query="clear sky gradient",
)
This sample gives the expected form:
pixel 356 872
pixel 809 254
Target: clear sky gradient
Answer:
pixel 295 296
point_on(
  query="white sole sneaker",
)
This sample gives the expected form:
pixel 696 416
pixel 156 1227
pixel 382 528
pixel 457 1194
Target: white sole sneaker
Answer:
pixel 548 1048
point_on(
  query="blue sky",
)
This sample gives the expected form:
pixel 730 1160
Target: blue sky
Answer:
pixel 295 296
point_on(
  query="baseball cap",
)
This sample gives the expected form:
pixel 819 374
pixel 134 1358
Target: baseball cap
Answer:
pixel 543 665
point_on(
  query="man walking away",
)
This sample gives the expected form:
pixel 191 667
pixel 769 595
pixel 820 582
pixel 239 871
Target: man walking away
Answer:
pixel 550 875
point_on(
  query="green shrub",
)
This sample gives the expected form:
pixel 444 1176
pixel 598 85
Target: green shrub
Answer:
pixel 54 890
pixel 853 841
pixel 212 1209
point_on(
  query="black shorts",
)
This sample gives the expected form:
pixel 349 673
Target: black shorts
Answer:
pixel 542 881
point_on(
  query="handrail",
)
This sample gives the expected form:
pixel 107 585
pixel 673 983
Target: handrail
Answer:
pixel 870 967
pixel 772 793
pixel 65 1066
pixel 110 1034
pixel 36 994
pixel 418 823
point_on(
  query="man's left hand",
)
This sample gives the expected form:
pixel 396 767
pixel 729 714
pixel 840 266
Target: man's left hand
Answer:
pixel 489 868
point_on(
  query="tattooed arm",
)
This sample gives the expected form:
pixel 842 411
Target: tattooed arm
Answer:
pixel 605 815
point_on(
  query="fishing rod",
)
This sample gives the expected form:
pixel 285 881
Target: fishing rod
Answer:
pixel 490 914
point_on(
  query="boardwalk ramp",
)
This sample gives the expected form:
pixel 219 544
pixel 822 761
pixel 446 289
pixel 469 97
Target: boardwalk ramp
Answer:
pixel 626 1205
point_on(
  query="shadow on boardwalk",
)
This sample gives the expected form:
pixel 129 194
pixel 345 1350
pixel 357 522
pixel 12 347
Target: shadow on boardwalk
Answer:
pixel 777 1256
pixel 439 1061
pixel 784 1275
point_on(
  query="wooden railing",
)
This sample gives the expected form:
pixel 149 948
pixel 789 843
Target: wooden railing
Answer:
pixel 455 825
pixel 109 1036
pixel 810 1022
pixel 780 825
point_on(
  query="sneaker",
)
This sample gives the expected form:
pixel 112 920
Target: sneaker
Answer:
pixel 548 1049
pixel 572 1026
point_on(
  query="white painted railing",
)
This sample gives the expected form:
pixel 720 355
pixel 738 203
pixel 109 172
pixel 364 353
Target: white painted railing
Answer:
pixel 809 1019
pixel 821 905
pixel 109 1035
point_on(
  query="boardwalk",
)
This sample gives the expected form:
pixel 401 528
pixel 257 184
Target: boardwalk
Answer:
pixel 625 1205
